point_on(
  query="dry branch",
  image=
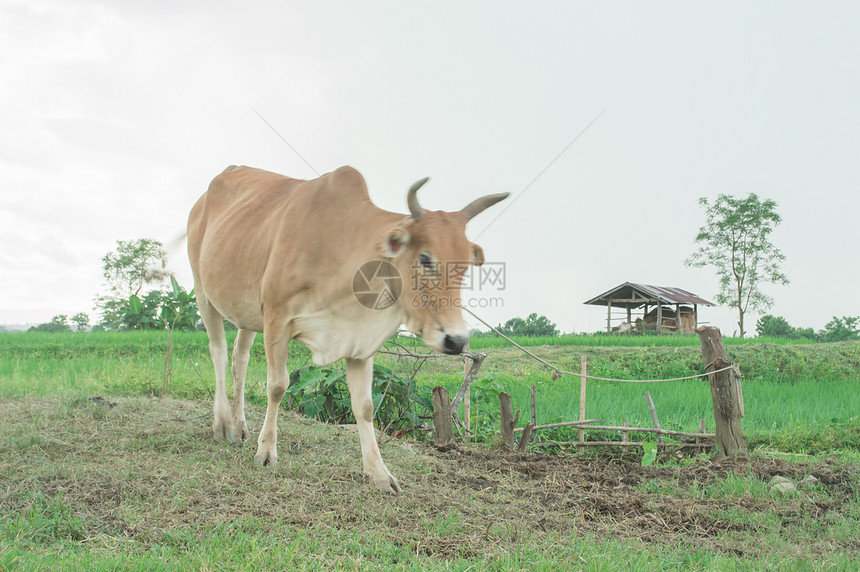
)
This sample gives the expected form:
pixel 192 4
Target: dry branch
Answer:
pixel 524 440
pixel 564 424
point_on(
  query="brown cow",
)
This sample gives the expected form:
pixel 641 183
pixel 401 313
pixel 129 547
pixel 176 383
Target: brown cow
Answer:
pixel 318 262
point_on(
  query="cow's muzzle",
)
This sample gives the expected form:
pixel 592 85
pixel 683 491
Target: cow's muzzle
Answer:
pixel 454 344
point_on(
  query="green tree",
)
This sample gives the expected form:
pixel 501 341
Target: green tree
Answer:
pixel 59 323
pixel 775 326
pixel 534 325
pixel 175 309
pixel 735 240
pixel 81 321
pixel 133 265
pixel 841 329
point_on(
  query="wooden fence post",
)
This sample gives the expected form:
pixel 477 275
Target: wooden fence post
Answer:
pixel 509 420
pixel 660 443
pixel 464 393
pixel 442 420
pixel 534 405
pixel 583 370
pixel 729 440
pixel 699 439
pixel 625 436
pixel 467 400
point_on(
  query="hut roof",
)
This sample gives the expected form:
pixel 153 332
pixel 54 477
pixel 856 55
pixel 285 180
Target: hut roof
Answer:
pixel 632 295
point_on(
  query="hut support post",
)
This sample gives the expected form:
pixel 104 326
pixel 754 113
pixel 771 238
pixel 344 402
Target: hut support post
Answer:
pixel 729 440
pixel 609 316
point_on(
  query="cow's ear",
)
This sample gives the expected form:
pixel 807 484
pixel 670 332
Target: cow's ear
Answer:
pixel 477 255
pixel 395 242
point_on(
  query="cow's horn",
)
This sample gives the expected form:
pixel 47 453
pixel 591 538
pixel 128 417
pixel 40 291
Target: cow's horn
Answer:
pixel 412 199
pixel 479 205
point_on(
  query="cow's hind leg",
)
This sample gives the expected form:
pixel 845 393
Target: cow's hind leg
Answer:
pixel 241 357
pixel 277 343
pixel 222 425
pixel 359 378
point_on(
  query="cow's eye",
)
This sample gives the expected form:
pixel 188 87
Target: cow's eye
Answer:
pixel 424 260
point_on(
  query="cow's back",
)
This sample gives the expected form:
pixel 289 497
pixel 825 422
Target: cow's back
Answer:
pixel 254 232
pixel 234 198
pixel 229 233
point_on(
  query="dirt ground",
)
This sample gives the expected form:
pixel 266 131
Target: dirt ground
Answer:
pixel 602 496
pixel 139 468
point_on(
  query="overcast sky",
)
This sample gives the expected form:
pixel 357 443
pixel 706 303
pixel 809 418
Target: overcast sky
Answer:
pixel 116 115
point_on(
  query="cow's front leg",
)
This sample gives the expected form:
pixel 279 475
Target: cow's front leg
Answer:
pixel 359 378
pixel 277 381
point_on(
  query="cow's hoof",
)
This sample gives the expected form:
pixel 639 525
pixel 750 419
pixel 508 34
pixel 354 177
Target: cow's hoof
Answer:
pixel 266 457
pixel 224 431
pixel 389 485
pixel 242 431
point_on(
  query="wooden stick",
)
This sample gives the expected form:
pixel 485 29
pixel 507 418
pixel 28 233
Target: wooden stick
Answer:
pixel 524 440
pixel 588 444
pixel 653 415
pixel 534 405
pixel 477 360
pixel 507 419
pixel 564 424
pixel 624 429
pixel 442 417
pixel 624 434
pixel 701 430
pixel 582 380
pixel 471 372
pixel 737 371
pixel 616 444
pixel 576 424
pixel 467 399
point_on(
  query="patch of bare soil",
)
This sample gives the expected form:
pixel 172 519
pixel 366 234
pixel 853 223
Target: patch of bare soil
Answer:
pixel 147 467
pixel 609 496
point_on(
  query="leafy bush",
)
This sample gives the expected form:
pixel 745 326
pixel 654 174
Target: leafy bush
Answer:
pixel 841 329
pixel 157 310
pixel 485 406
pixel 322 393
pixel 534 325
pixel 776 326
pixel 59 323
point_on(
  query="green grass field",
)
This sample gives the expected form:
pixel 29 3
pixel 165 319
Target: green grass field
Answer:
pixel 143 486
pixel 612 340
pixel 802 397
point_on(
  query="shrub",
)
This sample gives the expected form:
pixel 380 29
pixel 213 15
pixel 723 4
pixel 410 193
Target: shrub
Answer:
pixel 841 329
pixel 775 326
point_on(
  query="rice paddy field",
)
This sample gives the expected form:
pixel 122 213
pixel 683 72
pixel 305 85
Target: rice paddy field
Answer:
pixel 105 466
